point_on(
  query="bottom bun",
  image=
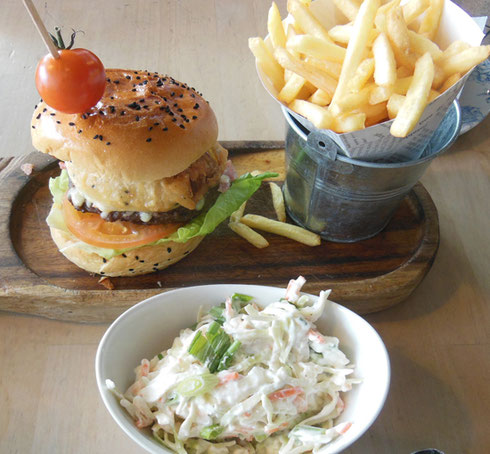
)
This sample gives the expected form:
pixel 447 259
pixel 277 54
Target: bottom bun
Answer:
pixel 143 260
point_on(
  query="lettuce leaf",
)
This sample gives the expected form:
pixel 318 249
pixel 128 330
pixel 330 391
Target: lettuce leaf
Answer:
pixel 204 224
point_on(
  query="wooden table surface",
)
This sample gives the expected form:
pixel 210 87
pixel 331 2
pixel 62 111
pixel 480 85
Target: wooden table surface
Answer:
pixel 438 339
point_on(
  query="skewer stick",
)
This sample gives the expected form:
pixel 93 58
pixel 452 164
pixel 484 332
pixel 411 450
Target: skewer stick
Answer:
pixel 41 28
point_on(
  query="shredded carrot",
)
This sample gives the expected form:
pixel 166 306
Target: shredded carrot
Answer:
pixel 277 429
pixel 316 335
pixel 229 377
pixel 346 428
pixel 285 392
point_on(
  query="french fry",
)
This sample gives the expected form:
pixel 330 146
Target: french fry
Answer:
pixel 354 100
pixel 266 62
pixel 290 33
pixel 464 61
pixel 394 104
pixel 253 237
pixel 356 47
pixel 349 122
pixel 236 215
pixel 342 33
pixel 319 116
pixel 317 78
pixel 331 68
pixel 278 202
pixel 431 19
pixel 306 21
pixel 275 27
pixel 349 8
pixel 402 85
pixel 380 94
pixel 320 97
pixel 397 32
pixel 384 62
pixel 449 82
pixel 291 88
pixel 380 18
pixel 374 113
pixel 403 71
pixel 316 47
pixel 416 99
pixel 420 45
pixel 433 94
pixel 456 47
pixel 281 228
pixel 363 73
pixel 413 9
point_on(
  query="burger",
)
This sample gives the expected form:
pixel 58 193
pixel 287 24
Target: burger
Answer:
pixel 143 177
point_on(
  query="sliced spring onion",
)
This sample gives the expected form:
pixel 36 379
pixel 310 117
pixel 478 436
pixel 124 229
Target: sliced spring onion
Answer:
pixel 228 356
pixel 217 313
pixel 239 300
pixel 196 385
pixel 160 356
pixel 212 432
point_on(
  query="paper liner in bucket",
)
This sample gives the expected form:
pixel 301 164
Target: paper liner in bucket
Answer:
pixel 375 143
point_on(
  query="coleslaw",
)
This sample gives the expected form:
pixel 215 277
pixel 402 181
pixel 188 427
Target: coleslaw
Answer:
pixel 245 379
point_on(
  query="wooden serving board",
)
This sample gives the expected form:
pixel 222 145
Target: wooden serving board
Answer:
pixel 367 276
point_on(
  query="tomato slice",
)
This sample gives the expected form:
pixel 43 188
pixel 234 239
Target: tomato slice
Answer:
pixel 92 229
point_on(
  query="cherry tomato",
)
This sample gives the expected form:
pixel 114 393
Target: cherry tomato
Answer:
pixel 92 229
pixel 72 83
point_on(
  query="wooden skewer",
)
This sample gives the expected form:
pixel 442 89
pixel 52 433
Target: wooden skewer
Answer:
pixel 41 28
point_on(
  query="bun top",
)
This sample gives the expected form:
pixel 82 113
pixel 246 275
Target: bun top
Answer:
pixel 146 127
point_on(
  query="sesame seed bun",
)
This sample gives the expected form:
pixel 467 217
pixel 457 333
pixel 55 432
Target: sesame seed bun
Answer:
pixel 146 127
pixel 142 260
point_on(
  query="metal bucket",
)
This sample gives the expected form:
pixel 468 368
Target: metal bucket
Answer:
pixel 344 199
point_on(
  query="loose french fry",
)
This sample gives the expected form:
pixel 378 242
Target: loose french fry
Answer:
pixel 281 228
pixel 394 104
pixel 464 61
pixel 342 33
pixel 291 88
pixel 236 215
pixel 449 82
pixel 319 116
pixel 374 113
pixel 317 78
pixel 330 67
pixel 275 27
pixel 380 94
pixel 363 73
pixel 349 122
pixel 356 47
pixel 416 99
pixel 420 45
pixel 316 47
pixel 305 20
pixel 384 62
pixel 349 8
pixel 397 32
pixel 278 202
pixel 413 9
pixel 266 62
pixel 431 19
pixel 253 237
pixel 320 97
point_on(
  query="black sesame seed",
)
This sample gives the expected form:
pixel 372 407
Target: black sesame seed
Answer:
pixel 126 191
pixel 116 81
pixel 155 268
pixel 169 250
pixel 182 126
pixel 142 100
pixel 128 77
pixel 142 261
pixel 136 257
pixel 138 77
pixel 196 106
pixel 123 112
pixel 155 264
pixel 194 117
pixel 112 108
pixel 38 117
pixel 59 122
pixel 84 116
pixel 108 80
pixel 100 137
pixel 124 255
pixel 44 110
pixel 134 89
pixel 174 119
pixel 137 118
pixel 79 131
pixel 96 136
pixel 150 128
pixel 112 97
pixel 149 139
pixel 134 105
pixel 102 272
pixel 33 127
pixel 156 124
pixel 71 123
pixel 165 129
pixel 104 260
pixel 131 269
pixel 107 143
pixel 93 186
pixel 101 112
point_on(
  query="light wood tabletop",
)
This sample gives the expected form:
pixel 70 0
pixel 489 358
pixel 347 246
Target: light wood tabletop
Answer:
pixel 438 339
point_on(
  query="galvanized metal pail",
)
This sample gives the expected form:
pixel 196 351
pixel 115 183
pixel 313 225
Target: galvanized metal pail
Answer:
pixel 344 199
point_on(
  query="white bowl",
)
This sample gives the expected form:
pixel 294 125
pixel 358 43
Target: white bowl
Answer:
pixel 150 327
